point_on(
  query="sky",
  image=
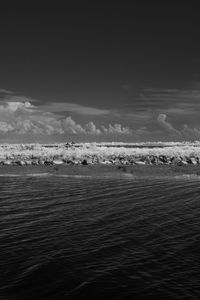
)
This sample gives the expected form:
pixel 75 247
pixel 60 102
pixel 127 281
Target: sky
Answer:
pixel 99 72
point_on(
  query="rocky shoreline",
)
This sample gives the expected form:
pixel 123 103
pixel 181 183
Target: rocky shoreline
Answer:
pixel 93 160
pixel 68 154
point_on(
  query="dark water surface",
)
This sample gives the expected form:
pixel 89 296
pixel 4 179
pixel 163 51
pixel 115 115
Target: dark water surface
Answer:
pixel 89 238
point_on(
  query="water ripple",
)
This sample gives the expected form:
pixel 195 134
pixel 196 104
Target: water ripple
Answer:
pixel 119 238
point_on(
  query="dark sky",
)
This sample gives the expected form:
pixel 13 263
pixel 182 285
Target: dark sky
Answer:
pixel 133 63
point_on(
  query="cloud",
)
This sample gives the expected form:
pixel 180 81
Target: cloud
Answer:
pixel 190 133
pixel 5 127
pixel 172 95
pixel 70 126
pixel 169 101
pixel 16 98
pixel 166 125
pixel 116 129
pixel 19 106
pixel 92 129
pixel 74 108
pixel 24 118
pixel 185 133
pixel 20 117
pixel 9 96
pixel 180 105
pixel 3 91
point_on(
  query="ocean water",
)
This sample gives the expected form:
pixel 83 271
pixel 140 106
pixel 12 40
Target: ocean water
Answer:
pixel 89 238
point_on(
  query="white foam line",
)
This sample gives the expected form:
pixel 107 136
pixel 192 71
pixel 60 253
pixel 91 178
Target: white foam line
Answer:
pixel 10 175
pixel 188 176
pixel 38 174
pixel 74 176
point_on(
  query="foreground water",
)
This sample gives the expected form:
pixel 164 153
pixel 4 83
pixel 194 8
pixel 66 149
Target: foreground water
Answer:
pixel 82 237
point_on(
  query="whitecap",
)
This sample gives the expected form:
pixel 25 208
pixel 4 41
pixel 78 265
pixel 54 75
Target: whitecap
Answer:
pixel 38 174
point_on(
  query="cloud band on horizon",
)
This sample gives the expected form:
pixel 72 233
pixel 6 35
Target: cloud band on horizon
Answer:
pixel 20 117
pixel 23 117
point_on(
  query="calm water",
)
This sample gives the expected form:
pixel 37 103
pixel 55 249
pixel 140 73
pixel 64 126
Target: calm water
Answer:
pixel 76 238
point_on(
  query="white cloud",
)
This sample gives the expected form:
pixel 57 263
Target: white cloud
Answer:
pixel 190 133
pixel 166 125
pixel 18 108
pixel 92 129
pixel 24 118
pixel 26 126
pixel 186 133
pixel 74 108
pixel 14 106
pixel 116 129
pixel 70 126
pixel 5 127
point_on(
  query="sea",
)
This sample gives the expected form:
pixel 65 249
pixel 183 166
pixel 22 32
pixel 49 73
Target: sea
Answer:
pixel 87 237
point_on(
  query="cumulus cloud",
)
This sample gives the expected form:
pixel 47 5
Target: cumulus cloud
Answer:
pixel 25 118
pixel 71 126
pixel 185 133
pixel 19 118
pixel 92 129
pixel 162 121
pixel 165 124
pixel 117 128
pixel 5 127
pixel 184 104
pixel 190 133
pixel 20 106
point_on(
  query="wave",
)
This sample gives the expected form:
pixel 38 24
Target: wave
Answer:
pixel 10 175
pixel 38 174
